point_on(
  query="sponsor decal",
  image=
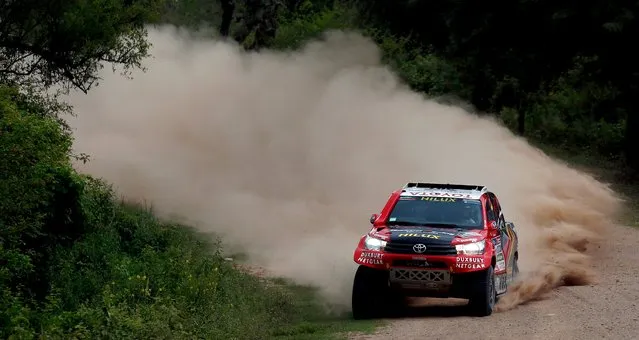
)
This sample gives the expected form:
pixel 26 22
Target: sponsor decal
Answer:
pixel 470 260
pixel 439 199
pixel 439 232
pixel 403 230
pixel 497 244
pixel 500 265
pixel 368 257
pixel 369 261
pixel 469 265
pixel 371 255
pixel 441 194
pixel 436 237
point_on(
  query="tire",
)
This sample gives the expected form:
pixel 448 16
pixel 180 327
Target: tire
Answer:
pixel 485 295
pixel 372 297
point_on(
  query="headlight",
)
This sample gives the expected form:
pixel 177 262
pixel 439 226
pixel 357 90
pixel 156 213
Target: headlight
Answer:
pixel 372 243
pixel 475 248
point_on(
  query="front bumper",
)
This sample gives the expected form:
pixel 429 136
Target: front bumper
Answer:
pixel 427 275
pixel 454 264
pixel 433 283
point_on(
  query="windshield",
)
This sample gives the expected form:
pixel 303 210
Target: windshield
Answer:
pixel 442 211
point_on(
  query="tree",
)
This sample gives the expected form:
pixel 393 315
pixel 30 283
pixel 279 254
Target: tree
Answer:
pixel 508 50
pixel 228 10
pixel 44 43
pixel 491 43
pixel 612 42
pixel 259 18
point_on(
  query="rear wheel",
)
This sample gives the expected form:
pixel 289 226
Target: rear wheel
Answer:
pixel 372 296
pixel 485 295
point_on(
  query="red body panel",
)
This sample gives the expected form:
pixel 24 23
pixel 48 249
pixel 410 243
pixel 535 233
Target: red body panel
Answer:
pixel 427 252
pixel 455 264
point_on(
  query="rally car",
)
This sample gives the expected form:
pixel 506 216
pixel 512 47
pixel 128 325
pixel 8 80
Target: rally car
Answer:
pixel 435 240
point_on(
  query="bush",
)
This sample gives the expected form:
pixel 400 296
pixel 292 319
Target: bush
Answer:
pixel 570 115
pixel 78 263
pixel 420 69
pixel 133 276
pixel 39 195
pixel 309 22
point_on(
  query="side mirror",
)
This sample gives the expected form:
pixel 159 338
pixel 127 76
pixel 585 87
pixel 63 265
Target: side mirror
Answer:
pixel 373 218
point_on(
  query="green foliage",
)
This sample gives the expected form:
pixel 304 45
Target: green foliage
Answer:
pixel 309 23
pixel 39 192
pixel 193 14
pixel 77 263
pixel 422 70
pixel 565 117
pixel 132 276
pixel 45 43
pixel 526 71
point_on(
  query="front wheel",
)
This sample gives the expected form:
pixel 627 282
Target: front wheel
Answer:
pixel 372 296
pixel 485 296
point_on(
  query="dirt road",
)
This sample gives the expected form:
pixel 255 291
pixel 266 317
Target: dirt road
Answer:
pixel 607 310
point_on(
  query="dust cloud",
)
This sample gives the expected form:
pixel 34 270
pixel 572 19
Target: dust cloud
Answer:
pixel 286 155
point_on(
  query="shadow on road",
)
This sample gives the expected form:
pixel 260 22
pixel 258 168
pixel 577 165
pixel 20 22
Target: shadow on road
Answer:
pixel 437 308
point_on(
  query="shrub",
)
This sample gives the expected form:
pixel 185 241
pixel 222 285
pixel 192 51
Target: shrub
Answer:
pixel 78 263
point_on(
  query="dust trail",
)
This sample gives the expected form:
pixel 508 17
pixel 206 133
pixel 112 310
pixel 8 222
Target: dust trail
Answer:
pixel 287 155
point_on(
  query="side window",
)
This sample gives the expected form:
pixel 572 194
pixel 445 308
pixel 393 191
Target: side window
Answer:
pixel 501 223
pixel 490 212
pixel 495 203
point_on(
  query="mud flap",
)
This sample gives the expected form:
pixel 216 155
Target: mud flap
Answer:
pixel 501 283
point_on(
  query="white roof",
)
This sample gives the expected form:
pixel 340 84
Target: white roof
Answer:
pixel 443 190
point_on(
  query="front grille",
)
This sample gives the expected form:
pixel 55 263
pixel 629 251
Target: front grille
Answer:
pixel 436 276
pixel 419 264
pixel 431 249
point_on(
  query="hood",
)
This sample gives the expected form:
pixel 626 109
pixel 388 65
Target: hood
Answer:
pixel 432 235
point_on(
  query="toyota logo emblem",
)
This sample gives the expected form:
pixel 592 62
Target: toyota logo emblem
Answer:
pixel 419 248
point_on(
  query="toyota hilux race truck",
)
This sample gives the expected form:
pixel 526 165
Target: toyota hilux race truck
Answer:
pixel 435 240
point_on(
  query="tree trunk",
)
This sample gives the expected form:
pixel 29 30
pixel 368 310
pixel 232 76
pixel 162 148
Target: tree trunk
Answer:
pixel 228 9
pixel 481 96
pixel 521 121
